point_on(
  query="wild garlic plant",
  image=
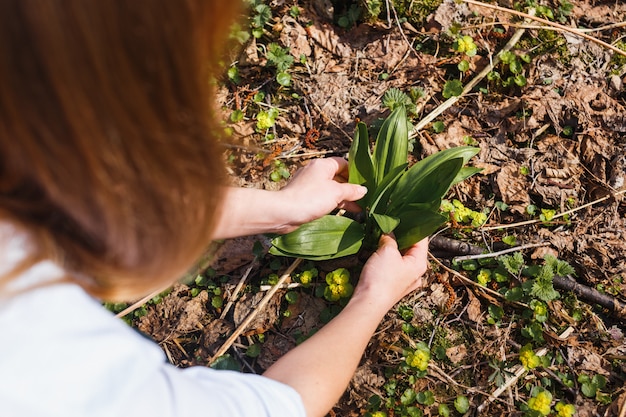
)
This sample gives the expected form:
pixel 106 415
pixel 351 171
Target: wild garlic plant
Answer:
pixel 402 200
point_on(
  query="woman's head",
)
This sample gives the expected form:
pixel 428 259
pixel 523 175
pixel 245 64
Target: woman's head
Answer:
pixel 106 147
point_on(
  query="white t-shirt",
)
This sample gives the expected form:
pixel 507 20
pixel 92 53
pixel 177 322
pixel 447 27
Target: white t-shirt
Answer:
pixel 62 354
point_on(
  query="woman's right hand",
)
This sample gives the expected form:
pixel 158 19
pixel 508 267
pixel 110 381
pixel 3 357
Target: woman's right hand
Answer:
pixel 390 275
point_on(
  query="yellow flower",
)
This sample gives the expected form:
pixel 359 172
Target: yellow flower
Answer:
pixel 306 277
pixel 338 276
pixel 379 414
pixel 338 285
pixel 420 358
pixel 564 410
pixel 484 276
pixel 541 402
pixel 528 358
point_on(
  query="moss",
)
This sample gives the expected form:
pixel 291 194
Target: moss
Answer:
pixel 415 11
pixel 618 61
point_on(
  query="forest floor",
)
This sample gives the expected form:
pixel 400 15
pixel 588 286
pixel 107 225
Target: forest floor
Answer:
pixel 550 122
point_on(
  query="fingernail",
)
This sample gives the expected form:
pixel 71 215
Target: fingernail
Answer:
pixel 362 189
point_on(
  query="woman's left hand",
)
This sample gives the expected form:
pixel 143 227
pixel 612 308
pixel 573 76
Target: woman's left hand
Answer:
pixel 317 189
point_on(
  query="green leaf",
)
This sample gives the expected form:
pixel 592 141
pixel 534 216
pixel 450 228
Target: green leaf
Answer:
pixel 284 79
pixel 465 173
pixel 392 144
pixel 452 88
pixel 327 237
pixel 462 404
pixel 416 225
pixel 226 362
pixel 381 195
pixel 439 126
pixel 360 167
pixel 386 223
pixel 424 182
pixel 589 390
pixel 407 184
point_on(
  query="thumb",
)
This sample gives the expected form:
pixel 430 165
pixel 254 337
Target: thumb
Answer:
pixel 386 242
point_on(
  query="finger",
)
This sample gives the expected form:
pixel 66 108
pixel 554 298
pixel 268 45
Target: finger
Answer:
pixel 386 242
pixel 418 251
pixel 350 206
pixel 351 192
pixel 342 164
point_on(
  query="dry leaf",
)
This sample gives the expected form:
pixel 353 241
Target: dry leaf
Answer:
pixel 456 353
pixel 474 309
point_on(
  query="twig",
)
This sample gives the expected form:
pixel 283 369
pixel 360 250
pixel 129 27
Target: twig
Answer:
pixel 259 307
pixel 283 287
pixel 311 154
pixel 539 27
pixel 519 371
pixel 587 294
pixel 468 281
pixel 549 23
pixel 468 88
pixel 556 216
pixel 141 302
pixel 502 252
pixel 238 288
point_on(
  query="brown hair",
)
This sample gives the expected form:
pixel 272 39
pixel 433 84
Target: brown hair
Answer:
pixel 107 147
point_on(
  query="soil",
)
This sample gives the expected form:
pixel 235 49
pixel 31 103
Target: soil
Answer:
pixel 556 143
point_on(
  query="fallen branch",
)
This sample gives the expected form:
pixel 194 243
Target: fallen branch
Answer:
pixel 561 27
pixel 591 295
pixel 470 86
pixel 259 307
pixel 502 252
pixel 445 244
pixel 585 293
pixel 556 216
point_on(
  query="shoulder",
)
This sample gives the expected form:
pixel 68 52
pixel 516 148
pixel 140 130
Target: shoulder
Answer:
pixel 66 355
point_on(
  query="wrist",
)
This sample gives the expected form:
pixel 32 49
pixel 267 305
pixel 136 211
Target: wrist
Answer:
pixel 375 302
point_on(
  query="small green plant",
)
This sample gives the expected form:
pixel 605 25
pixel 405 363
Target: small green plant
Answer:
pixel 351 17
pixel 262 14
pixel 463 215
pixel 266 119
pixel 338 285
pixel 510 71
pixel 465 45
pixel 419 358
pixel 461 404
pixel 540 402
pixel 564 410
pixel 528 357
pixel 279 171
pixel 405 201
pixel 452 88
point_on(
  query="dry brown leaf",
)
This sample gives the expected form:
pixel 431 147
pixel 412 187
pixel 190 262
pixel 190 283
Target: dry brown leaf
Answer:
pixel 294 37
pixel 326 36
pixel 513 187
pixel 456 353
pixel 587 360
pixel 364 376
pixel 264 319
pixel 474 309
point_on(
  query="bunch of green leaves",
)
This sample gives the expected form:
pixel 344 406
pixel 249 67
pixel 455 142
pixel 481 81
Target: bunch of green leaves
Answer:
pixel 510 71
pixel 399 200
